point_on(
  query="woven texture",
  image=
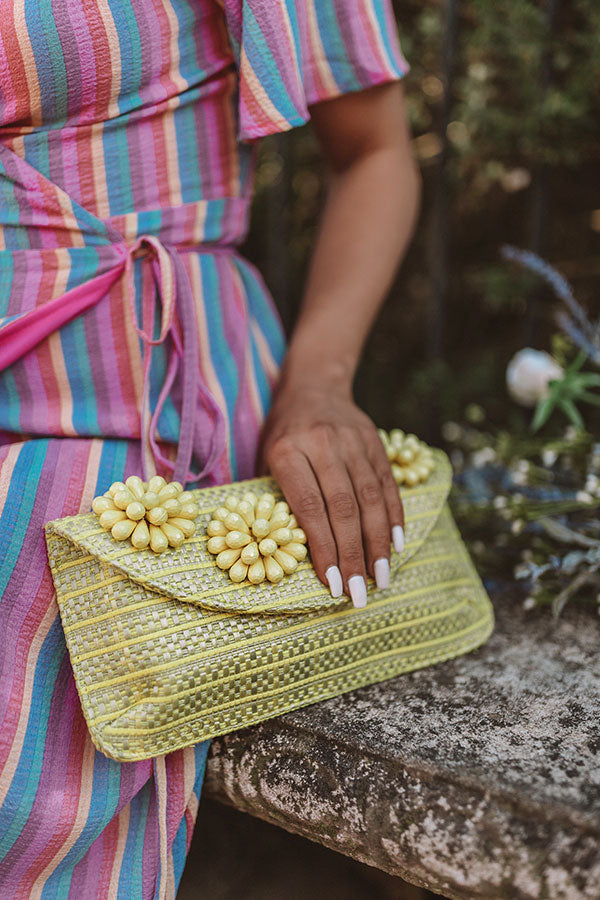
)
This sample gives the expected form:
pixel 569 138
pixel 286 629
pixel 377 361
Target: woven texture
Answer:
pixel 166 651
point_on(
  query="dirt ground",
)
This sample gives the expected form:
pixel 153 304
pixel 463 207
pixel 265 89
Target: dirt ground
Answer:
pixel 237 857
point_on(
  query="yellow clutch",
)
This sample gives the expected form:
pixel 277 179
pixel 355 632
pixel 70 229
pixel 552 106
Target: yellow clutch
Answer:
pixel 168 650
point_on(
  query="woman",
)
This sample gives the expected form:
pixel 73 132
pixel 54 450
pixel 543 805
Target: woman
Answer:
pixel 135 338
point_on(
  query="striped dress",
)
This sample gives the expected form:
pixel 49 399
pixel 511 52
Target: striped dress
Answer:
pixel 134 338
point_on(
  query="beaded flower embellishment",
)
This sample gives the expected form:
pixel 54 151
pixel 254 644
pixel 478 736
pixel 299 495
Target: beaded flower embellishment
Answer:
pixel 153 514
pixel 256 538
pixel 411 459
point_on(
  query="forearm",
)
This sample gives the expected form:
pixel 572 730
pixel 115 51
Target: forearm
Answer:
pixel 366 224
pixel 322 449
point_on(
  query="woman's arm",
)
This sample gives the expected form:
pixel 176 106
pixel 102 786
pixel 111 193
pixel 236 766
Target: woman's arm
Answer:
pixel 322 449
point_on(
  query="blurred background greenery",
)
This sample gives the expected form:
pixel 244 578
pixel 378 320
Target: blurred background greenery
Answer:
pixel 505 112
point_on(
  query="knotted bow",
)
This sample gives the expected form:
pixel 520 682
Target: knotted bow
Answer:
pixel 178 321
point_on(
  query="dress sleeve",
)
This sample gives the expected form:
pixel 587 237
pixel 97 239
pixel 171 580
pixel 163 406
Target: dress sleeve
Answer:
pixel 293 53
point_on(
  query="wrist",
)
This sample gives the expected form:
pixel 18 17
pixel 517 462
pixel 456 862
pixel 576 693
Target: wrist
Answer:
pixel 316 370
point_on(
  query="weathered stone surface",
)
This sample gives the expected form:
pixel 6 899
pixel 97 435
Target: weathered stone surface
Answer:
pixel 479 777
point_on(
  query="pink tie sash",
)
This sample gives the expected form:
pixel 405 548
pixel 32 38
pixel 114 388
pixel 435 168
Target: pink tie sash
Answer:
pixel 21 334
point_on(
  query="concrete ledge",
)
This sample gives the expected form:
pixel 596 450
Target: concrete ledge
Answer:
pixel 478 777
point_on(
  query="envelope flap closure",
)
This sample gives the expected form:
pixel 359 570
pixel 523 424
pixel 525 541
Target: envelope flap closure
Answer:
pixel 190 573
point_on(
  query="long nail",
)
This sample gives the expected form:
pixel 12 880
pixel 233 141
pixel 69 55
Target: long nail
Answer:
pixel 381 567
pixel 358 591
pixel 334 577
pixel 398 538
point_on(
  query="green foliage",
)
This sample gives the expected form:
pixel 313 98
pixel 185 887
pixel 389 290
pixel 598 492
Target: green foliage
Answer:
pixel 528 508
pixel 525 90
pixel 566 392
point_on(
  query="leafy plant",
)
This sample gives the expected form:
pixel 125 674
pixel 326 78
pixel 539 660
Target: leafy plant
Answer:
pixel 565 392
pixel 528 508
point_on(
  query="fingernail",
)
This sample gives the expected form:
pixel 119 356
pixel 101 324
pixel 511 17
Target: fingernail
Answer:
pixel 358 591
pixel 398 538
pixel 381 568
pixel 334 578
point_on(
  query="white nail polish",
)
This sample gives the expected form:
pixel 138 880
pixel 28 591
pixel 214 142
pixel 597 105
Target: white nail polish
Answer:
pixel 358 591
pixel 381 568
pixel 334 577
pixel 398 538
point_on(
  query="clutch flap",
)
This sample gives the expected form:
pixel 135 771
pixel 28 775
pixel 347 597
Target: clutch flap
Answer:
pixel 190 573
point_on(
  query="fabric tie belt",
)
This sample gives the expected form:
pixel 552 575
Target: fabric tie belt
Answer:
pixel 20 335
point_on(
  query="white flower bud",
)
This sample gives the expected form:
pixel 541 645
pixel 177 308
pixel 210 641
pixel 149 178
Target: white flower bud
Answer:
pixel 528 374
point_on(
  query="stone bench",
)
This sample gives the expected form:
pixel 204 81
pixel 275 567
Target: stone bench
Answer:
pixel 476 778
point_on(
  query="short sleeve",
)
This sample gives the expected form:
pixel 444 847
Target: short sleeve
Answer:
pixel 293 53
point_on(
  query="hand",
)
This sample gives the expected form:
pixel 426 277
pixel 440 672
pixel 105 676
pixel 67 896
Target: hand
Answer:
pixel 328 459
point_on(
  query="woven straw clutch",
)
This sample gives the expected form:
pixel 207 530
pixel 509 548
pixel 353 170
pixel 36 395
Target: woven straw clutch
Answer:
pixel 168 651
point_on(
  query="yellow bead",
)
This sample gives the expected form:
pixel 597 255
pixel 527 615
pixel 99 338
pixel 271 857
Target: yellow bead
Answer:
pixel 246 511
pixel 156 484
pixel 234 522
pixel 157 515
pixel 406 455
pixel 178 486
pixel 122 499
pixel 260 528
pixel 174 535
pixel 256 572
pixel 298 551
pixel 102 504
pixel 292 523
pixel 111 517
pixel 279 520
pixel 216 544
pixel 280 507
pixel 238 571
pixel 267 546
pixel 249 497
pixel 298 535
pixel 169 492
pixel 385 440
pixel 141 536
pixel 115 487
pixel 286 561
pixel 250 553
pixel 281 535
pixel 136 511
pixel 215 528
pixel 184 525
pixel 123 529
pixel 235 539
pixel 411 478
pixel 231 503
pixel 398 473
pixel 150 499
pixel 397 436
pixel 189 511
pixel 136 486
pixel 226 558
pixel 273 570
pixel 265 505
pixel 172 506
pixel 221 513
pixel 158 539
pixel 422 471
